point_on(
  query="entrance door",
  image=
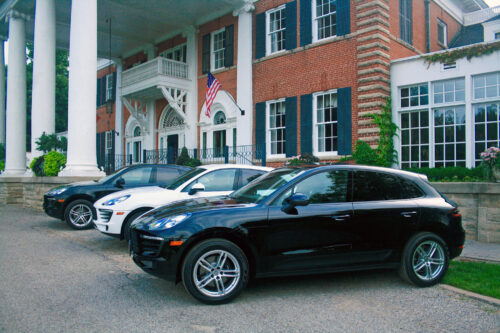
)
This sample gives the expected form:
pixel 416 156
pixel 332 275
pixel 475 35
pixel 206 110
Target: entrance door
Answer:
pixel 136 154
pixel 172 147
pixel 219 143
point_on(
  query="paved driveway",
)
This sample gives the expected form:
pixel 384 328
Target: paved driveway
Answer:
pixel 53 279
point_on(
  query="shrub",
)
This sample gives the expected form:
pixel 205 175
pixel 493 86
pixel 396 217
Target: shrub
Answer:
pixel 54 162
pixel 364 154
pixel 452 174
pixel 2 152
pixel 185 160
pixel 2 165
pixel 37 166
pixel 306 158
pixel 48 142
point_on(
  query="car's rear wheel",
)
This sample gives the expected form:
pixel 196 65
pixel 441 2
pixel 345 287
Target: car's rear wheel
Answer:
pixel 425 259
pixel 215 271
pixel 79 214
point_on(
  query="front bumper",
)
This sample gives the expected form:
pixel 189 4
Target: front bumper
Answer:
pixel 53 207
pixel 113 226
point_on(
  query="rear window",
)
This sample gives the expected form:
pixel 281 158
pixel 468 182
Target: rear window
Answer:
pixel 248 175
pixel 375 186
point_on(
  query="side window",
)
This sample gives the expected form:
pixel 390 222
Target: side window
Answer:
pixel 324 187
pixel 374 186
pixel 247 175
pixel 166 175
pixel 410 190
pixel 219 180
pixel 137 176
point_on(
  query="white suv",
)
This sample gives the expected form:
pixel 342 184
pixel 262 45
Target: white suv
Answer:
pixel 117 211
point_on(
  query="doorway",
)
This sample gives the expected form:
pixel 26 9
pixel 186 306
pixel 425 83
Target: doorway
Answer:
pixel 172 148
pixel 219 143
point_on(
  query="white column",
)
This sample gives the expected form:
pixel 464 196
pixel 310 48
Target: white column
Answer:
pixel 81 159
pixel 244 83
pixel 15 159
pixel 119 110
pixel 192 111
pixel 43 102
pixel 149 142
pixel 2 93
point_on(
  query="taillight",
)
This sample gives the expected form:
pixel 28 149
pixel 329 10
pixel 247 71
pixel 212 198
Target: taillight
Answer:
pixel 455 212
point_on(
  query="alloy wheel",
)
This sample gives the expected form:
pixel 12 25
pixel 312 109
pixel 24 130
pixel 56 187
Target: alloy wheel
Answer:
pixel 428 260
pixel 80 215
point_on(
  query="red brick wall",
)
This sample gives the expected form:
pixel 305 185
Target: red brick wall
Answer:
pixel 452 25
pixel 170 43
pixel 105 120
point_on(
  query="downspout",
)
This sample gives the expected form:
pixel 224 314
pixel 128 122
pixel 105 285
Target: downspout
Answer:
pixel 427 25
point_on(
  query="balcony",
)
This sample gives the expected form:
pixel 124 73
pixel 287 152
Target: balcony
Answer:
pixel 480 16
pixel 141 82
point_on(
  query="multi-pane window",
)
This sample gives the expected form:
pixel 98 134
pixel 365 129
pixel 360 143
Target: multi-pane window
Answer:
pixel 109 141
pixel 326 122
pixel 277 124
pixel 218 49
pixel 177 53
pixel 276 30
pixel 405 20
pixel 486 127
pixel 415 139
pixel 326 18
pixel 449 136
pixel 487 85
pixel 109 87
pixel 449 91
pixel 442 30
pixel 415 95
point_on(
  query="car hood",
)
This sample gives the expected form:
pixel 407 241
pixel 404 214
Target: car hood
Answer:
pixel 152 196
pixel 191 206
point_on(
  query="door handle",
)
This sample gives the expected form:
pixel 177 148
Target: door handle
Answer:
pixel 341 218
pixel 408 214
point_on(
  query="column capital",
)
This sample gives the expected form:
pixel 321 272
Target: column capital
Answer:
pixel 189 30
pixel 247 7
pixel 14 14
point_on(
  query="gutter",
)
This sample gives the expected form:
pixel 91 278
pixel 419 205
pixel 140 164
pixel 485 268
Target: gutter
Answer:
pixel 427 26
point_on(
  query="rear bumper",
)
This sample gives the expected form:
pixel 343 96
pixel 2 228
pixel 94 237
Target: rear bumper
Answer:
pixel 52 207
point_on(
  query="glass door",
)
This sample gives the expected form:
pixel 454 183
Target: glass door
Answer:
pixel 219 143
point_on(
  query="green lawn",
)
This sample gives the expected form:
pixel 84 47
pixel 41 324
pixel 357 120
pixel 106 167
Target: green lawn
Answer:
pixel 478 277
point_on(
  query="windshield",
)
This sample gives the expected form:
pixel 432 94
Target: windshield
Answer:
pixel 266 185
pixel 184 178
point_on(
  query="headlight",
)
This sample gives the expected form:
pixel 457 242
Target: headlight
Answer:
pixel 168 222
pixel 113 201
pixel 57 191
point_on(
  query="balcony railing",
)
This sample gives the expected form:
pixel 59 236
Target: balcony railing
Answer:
pixel 480 16
pixel 153 68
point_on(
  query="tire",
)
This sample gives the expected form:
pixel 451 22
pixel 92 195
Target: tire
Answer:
pixel 79 214
pixel 126 226
pixel 425 259
pixel 200 267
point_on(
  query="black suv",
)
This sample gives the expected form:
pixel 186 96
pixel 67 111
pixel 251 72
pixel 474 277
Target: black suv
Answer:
pixel 74 203
pixel 295 221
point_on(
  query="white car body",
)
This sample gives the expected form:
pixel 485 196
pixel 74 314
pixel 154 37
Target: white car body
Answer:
pixel 110 218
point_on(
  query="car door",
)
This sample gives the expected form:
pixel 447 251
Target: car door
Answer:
pixel 138 177
pixel 217 182
pixel 383 208
pixel 314 236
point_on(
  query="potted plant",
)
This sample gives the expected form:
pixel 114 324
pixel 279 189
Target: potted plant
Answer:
pixel 491 158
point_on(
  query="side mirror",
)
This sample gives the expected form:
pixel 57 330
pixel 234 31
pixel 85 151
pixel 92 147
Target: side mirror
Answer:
pixel 298 199
pixel 120 182
pixel 196 188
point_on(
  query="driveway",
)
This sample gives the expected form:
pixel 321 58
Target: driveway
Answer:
pixel 54 279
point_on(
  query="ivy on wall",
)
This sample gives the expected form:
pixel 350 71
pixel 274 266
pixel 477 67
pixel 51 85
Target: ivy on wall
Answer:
pixel 475 51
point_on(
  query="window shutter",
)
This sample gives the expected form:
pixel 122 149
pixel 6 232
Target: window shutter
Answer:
pixel 260 124
pixel 229 46
pixel 260 35
pixel 113 95
pixel 291 126
pixel 103 90
pixel 306 124
pixel 291 25
pixel 344 121
pixel 343 17
pixel 305 22
pixel 98 93
pixel 205 54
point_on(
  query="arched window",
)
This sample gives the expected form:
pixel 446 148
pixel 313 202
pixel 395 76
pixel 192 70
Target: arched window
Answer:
pixel 219 118
pixel 137 131
pixel 171 119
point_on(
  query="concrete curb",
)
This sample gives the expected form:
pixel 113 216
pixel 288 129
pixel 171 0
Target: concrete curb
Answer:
pixel 478 259
pixel 486 299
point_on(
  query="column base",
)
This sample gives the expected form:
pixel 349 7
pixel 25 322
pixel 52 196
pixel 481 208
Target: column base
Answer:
pixel 14 173
pixel 81 171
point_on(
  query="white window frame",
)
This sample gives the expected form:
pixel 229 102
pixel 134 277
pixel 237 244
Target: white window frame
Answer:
pixel 485 98
pixel 455 142
pixel 496 35
pixel 315 124
pixel 172 51
pixel 411 144
pixel 268 128
pixel 212 50
pixel 269 33
pixel 442 24
pixel 485 123
pixel 109 141
pixel 454 91
pixel 109 87
pixel 409 96
pixel 315 22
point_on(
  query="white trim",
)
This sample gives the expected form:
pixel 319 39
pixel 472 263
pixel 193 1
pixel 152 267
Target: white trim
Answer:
pixel 445 31
pixel 268 129
pixel 315 124
pixel 268 33
pixel 172 50
pixel 212 56
pixel 314 20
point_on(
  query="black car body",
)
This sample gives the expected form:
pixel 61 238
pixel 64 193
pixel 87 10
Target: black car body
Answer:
pixel 351 218
pixel 57 201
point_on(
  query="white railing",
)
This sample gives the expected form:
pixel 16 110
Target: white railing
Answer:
pixel 480 16
pixel 152 68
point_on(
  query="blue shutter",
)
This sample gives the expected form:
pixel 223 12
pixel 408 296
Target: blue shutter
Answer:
pixel 305 22
pixel 291 25
pixel 291 126
pixel 306 124
pixel 344 120
pixel 98 93
pixel 205 54
pixel 114 86
pixel 260 126
pixel 260 35
pixel 229 46
pixel 343 17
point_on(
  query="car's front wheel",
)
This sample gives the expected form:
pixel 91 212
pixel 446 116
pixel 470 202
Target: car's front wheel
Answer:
pixel 79 214
pixel 425 259
pixel 215 271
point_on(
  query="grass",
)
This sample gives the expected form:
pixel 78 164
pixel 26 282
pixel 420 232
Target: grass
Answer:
pixel 479 277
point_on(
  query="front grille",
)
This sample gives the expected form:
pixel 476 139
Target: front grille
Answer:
pixel 146 245
pixel 105 214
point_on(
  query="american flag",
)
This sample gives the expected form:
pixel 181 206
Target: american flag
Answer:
pixel 213 87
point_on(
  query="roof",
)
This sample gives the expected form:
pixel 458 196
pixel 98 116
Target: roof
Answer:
pixel 468 35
